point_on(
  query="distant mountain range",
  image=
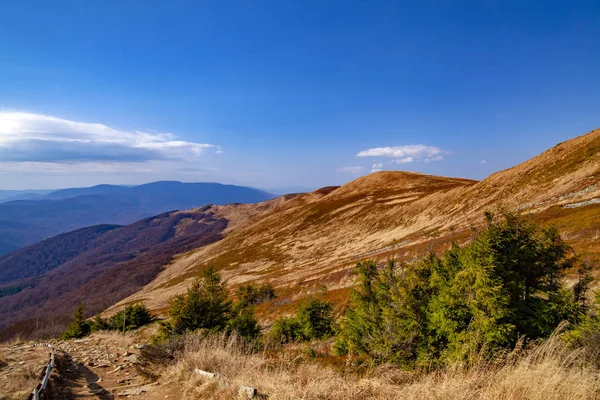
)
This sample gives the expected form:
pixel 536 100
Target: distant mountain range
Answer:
pixel 10 195
pixel 40 215
pixel 296 242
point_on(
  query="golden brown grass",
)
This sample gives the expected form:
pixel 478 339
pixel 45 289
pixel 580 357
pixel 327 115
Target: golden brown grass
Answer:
pixel 548 371
pixel 20 370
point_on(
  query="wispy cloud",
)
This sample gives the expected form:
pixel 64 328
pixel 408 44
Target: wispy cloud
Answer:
pixel 406 154
pixel 377 167
pixel 351 170
pixel 34 138
pixel 404 160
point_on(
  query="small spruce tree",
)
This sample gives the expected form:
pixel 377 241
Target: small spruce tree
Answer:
pixel 204 306
pixel 313 320
pixel 243 322
pixel 136 316
pixel 79 326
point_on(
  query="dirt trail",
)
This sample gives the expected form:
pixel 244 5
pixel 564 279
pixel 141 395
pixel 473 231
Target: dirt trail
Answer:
pixel 106 366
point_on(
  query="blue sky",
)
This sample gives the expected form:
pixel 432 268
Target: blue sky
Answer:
pixel 288 93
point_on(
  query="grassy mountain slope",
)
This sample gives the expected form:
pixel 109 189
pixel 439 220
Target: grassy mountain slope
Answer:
pixel 298 242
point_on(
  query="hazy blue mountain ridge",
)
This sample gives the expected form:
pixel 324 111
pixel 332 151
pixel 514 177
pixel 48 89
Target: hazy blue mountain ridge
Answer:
pixel 23 222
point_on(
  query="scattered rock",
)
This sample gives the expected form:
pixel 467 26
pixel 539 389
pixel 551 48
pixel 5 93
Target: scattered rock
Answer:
pixel 117 369
pixel 135 391
pixel 247 392
pixel 204 373
pixel 134 359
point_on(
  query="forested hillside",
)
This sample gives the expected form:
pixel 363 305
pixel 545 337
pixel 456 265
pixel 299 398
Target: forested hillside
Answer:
pixel 26 222
pixel 35 260
pixel 110 266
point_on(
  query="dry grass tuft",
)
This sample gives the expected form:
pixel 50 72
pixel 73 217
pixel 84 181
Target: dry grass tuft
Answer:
pixel 20 370
pixel 548 371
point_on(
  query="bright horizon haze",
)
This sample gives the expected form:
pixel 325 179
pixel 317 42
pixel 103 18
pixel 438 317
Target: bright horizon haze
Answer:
pixel 274 94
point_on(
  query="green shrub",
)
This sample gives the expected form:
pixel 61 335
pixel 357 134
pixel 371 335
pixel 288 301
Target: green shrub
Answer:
pixel 586 334
pixel 251 295
pixel 472 300
pixel 340 346
pixel 243 322
pixel 99 324
pixel 136 316
pixel 285 330
pixel 79 326
pixel 204 306
pixel 315 317
pixel 313 320
pixel 582 286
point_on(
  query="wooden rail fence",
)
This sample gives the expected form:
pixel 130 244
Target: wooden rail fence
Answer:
pixel 39 390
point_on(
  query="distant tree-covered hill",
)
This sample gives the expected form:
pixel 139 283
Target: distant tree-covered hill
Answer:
pixel 9 195
pixel 35 260
pixel 99 265
pixel 24 222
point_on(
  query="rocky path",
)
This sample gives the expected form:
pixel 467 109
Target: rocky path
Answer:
pixel 110 367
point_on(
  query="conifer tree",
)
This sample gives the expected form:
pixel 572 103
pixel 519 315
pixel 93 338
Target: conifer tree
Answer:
pixel 482 296
pixel 79 326
pixel 204 306
pixel 313 320
pixel 243 322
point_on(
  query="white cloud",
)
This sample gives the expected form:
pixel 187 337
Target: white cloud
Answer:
pixel 438 158
pixel 406 154
pixel 483 162
pixel 377 167
pixel 351 170
pixel 404 160
pixel 34 138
